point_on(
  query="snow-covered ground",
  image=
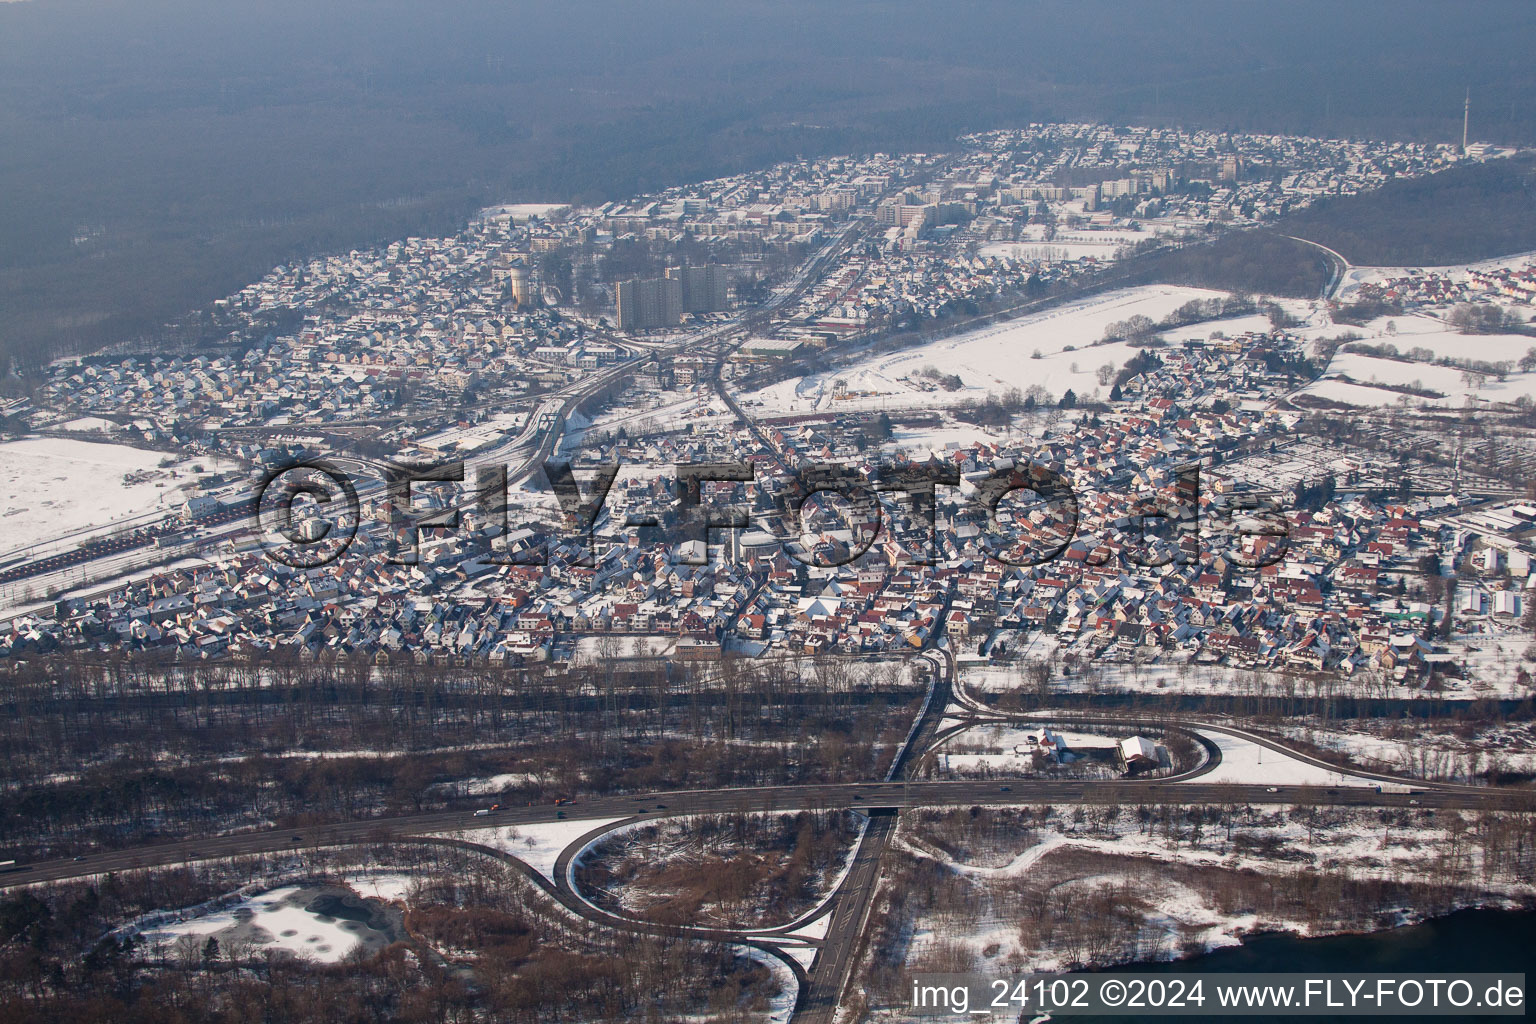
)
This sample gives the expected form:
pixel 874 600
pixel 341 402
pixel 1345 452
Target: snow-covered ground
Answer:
pixel 487 785
pixel 387 886
pixel 1416 749
pixel 947 437
pixel 591 650
pixel 1493 658
pixel 537 845
pixel 1066 245
pixel 272 920
pixel 91 425
pixel 995 358
pixel 782 1006
pixel 1245 762
pixel 522 211
pixel 1179 878
pixel 1182 916
pixel 493 430
pixel 52 486
pixel 656 413
pixel 1421 330
pixel 1450 383
pixel 996 749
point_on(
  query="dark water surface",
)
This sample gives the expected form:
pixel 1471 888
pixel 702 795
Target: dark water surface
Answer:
pixel 1469 940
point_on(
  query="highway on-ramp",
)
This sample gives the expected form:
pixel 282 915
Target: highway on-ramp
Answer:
pixel 822 989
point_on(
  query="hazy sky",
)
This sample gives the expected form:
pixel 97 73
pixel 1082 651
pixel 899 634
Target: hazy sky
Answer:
pixel 198 143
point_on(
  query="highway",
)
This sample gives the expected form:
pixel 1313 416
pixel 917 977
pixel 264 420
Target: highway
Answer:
pixel 823 988
pixel 858 796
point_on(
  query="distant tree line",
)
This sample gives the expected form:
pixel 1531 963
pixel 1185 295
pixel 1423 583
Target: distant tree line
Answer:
pixel 300 742
pixel 1467 213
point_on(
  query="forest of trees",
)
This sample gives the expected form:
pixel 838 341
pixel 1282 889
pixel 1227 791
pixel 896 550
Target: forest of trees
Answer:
pixel 529 961
pixel 1093 908
pixel 198 152
pixel 1257 260
pixel 398 739
pixel 741 870
pixel 1460 215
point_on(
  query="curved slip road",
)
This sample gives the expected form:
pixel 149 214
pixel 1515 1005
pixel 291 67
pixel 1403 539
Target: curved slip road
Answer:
pixel 848 908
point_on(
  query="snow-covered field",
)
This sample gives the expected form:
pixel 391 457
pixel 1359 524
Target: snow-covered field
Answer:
pixel 1067 245
pixel 1420 330
pixel 591 650
pixel 1245 762
pixel 522 211
pixel 995 358
pixel 51 486
pixel 1364 371
pixel 941 438
pixel 90 425
pixel 537 845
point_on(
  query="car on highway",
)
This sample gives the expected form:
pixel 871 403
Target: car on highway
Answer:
pixel 1272 789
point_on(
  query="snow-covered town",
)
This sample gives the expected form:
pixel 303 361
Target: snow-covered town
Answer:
pixel 1392 577
pixel 792 583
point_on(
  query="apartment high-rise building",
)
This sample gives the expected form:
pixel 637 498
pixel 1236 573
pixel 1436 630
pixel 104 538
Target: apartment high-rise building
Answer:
pixel 703 288
pixel 625 300
pixel 643 304
pixel 646 304
pixel 899 213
